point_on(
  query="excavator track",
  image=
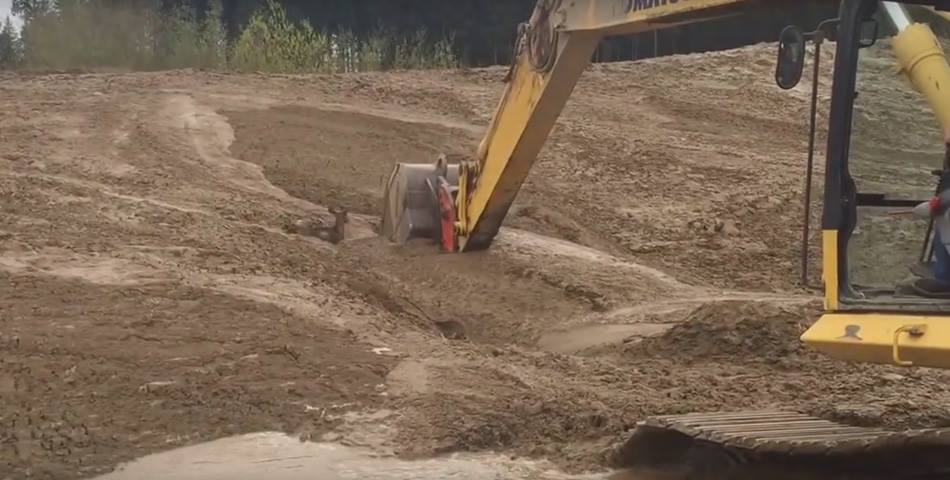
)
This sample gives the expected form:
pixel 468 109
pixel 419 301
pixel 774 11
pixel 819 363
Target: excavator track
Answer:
pixel 785 445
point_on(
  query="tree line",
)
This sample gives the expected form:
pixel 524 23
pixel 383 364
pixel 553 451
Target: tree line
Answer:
pixel 329 35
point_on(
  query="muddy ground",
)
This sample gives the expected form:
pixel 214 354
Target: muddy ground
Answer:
pixel 151 295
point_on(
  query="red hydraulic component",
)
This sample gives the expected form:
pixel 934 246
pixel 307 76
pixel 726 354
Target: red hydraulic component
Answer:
pixel 447 216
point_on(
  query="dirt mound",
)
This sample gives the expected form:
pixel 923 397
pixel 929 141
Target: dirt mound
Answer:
pixel 734 331
pixel 521 401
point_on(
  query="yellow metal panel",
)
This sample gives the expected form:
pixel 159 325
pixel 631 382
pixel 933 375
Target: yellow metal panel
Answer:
pixel 829 268
pixel 530 108
pixel 629 16
pixel 872 338
pixel 922 58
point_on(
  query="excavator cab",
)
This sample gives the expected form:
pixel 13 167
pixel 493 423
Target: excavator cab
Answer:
pixel 886 163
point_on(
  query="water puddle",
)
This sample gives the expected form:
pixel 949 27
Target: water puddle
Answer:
pixel 278 457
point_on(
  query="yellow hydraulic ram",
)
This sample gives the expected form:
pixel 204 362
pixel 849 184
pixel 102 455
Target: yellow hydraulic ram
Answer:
pixel 923 60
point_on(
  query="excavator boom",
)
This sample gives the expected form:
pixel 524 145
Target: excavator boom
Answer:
pixel 556 48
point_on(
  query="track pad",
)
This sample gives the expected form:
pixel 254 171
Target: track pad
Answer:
pixel 779 445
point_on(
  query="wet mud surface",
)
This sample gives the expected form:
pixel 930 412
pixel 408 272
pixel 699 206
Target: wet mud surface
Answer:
pixel 152 297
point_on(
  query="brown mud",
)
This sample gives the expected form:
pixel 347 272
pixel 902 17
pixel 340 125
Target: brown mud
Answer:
pixel 152 298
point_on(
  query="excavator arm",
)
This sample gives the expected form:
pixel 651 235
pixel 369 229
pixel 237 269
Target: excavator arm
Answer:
pixel 463 205
pixel 553 51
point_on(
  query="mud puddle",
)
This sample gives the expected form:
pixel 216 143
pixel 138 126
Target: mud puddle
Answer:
pixel 276 456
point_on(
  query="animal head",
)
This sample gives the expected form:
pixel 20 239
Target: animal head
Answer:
pixel 340 214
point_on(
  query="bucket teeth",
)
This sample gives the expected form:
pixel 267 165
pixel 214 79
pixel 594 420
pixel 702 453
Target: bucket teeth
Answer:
pixel 411 208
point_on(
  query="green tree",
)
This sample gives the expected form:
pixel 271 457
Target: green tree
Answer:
pixel 337 36
pixel 30 9
pixel 214 42
pixel 10 47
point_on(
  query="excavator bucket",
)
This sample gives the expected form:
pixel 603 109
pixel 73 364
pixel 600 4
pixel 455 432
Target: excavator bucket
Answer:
pixel 416 201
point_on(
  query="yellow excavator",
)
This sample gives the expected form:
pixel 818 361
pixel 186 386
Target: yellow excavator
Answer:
pixel 461 207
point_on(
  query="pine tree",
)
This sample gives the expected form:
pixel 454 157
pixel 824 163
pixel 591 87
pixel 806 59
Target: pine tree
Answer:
pixel 213 35
pixel 19 50
pixel 10 49
pixel 30 9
